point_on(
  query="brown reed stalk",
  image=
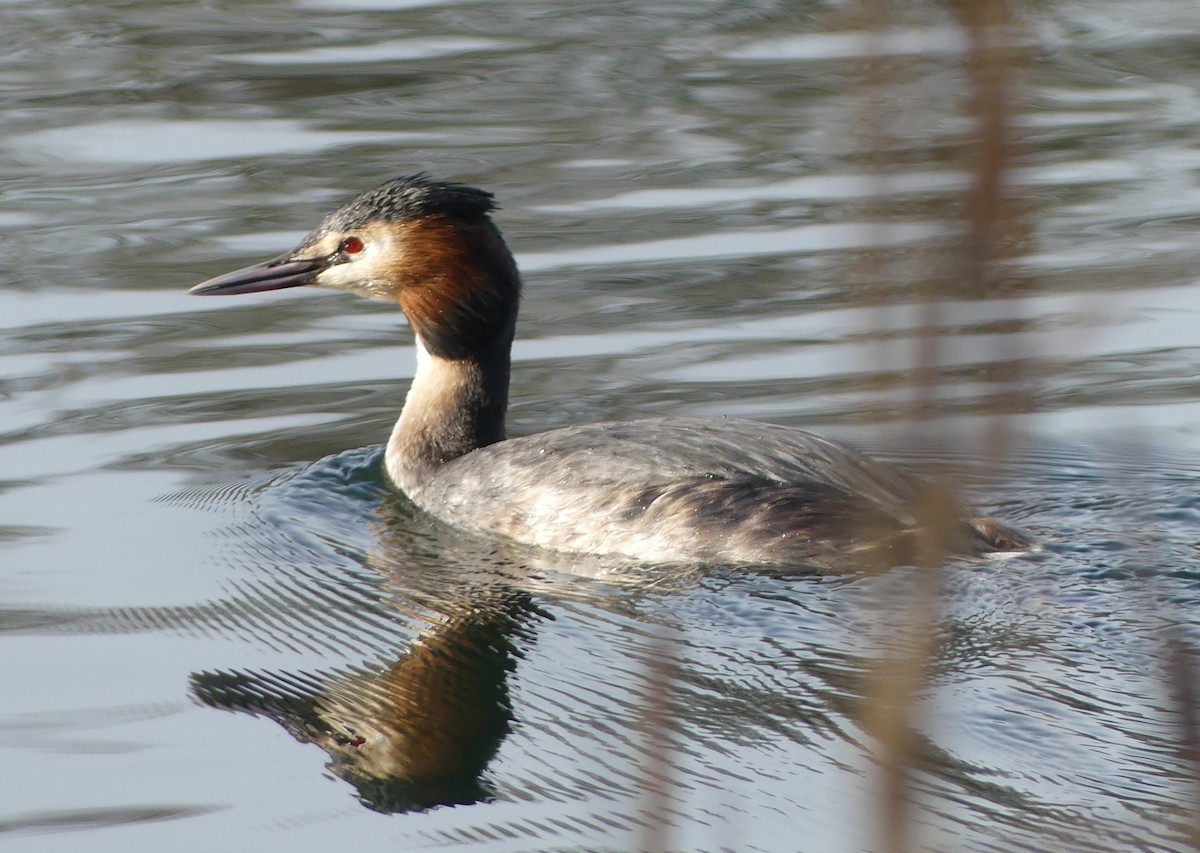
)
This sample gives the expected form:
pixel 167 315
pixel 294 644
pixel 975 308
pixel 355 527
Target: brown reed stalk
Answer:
pixel 657 772
pixel 1183 682
pixel 893 691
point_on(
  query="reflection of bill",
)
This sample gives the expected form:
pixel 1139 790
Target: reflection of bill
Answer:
pixel 412 735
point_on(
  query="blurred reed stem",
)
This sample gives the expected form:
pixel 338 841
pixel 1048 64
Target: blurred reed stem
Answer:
pixel 898 679
pixel 660 673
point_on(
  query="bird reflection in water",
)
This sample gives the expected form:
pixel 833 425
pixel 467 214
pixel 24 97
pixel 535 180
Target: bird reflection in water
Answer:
pixel 419 731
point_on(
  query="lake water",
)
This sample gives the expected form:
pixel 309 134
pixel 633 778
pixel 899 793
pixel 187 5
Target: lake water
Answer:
pixel 220 630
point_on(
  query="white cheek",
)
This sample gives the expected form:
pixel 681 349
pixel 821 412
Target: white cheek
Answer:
pixel 345 276
pixel 362 275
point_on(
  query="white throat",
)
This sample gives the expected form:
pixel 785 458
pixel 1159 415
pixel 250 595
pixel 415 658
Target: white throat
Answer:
pixel 453 407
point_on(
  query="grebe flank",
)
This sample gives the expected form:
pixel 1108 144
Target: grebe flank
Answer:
pixel 662 490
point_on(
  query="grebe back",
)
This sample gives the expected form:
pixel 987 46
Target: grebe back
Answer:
pixel 663 490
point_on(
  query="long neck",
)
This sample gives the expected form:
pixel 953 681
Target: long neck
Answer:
pixel 453 407
pixel 460 290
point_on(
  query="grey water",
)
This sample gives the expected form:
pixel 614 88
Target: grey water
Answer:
pixel 221 630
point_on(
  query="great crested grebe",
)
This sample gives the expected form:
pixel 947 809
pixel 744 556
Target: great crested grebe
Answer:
pixel 663 490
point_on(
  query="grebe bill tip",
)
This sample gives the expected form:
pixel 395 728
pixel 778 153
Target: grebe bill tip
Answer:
pixel 275 274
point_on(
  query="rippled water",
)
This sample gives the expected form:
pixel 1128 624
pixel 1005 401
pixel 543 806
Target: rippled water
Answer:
pixel 219 629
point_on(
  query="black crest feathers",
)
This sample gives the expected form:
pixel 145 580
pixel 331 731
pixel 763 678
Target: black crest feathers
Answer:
pixel 410 197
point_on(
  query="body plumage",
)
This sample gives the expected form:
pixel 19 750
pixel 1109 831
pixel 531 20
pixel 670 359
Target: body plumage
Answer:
pixel 662 490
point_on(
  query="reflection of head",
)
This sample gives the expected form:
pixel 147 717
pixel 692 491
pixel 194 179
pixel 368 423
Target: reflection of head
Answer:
pixel 411 735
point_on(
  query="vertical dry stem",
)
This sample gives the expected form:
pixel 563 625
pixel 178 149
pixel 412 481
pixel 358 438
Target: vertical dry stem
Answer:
pixel 657 772
pixel 895 689
pixel 1185 694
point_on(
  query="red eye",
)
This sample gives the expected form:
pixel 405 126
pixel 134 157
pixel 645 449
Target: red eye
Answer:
pixel 351 246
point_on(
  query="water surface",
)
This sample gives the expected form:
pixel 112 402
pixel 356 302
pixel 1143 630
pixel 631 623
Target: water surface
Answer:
pixel 222 630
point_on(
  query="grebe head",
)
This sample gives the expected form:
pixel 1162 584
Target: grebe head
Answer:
pixel 428 245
